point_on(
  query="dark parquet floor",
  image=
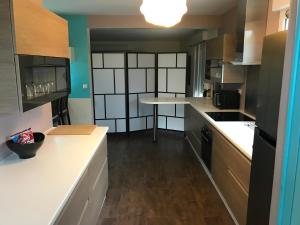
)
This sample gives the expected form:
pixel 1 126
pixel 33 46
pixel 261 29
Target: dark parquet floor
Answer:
pixel 158 184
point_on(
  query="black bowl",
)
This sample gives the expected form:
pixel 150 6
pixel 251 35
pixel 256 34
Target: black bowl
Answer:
pixel 26 151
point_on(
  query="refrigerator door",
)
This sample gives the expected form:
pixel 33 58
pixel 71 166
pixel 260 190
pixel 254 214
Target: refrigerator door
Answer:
pixel 261 181
pixel 270 79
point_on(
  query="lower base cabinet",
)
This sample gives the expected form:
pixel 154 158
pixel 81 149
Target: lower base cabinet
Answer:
pixel 231 173
pixel 84 205
pixel 230 169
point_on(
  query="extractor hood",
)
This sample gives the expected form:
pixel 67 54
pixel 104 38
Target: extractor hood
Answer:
pixel 251 29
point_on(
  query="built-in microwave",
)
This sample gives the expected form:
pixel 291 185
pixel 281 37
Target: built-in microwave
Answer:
pixel 43 79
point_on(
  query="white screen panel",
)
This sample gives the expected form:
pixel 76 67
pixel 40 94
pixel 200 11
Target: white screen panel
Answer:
pixel 137 80
pixel 145 109
pixel 121 126
pixel 120 81
pixel 115 106
pixel 132 60
pixel 180 110
pixel 167 60
pixel 176 80
pixel 161 122
pixel 162 80
pixel 99 107
pixel 103 81
pixel 107 123
pixel 97 60
pixel 137 124
pixel 133 104
pixel 146 60
pixel 150 80
pixel 175 123
pixel 114 60
pixel 181 60
pixel 150 122
pixel 166 110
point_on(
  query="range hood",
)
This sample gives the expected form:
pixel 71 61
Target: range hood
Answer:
pixel 251 29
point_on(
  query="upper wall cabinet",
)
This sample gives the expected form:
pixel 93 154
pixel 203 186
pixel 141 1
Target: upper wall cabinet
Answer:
pixel 39 31
pixel 221 48
pixel 34 67
pixel 279 5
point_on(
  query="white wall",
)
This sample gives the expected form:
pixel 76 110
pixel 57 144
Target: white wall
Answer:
pixel 81 111
pixel 39 119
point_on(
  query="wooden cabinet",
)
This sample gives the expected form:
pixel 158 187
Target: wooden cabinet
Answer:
pixel 26 29
pixel 230 169
pixel 38 31
pixel 84 205
pixel 231 172
pixel 279 5
pixel 9 94
pixel 221 48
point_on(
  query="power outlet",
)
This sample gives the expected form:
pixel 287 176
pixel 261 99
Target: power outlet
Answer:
pixel 84 86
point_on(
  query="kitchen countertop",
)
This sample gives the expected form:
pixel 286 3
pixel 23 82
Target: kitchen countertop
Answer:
pixel 239 133
pixel 34 191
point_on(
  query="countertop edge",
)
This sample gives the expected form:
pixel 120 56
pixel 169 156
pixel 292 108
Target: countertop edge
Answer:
pixel 213 123
pixel 75 183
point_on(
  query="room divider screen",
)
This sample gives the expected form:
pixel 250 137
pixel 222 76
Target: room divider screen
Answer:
pixel 109 92
pixel 120 80
pixel 141 84
pixel 171 83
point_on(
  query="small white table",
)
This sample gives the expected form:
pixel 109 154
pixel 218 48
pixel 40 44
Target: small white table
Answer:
pixel 161 101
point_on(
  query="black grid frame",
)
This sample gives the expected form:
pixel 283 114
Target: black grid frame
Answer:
pixel 127 93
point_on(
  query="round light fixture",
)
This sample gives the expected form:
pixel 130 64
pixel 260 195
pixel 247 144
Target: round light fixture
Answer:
pixel 166 13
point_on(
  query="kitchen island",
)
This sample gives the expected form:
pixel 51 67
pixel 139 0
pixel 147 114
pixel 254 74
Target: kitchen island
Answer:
pixel 64 184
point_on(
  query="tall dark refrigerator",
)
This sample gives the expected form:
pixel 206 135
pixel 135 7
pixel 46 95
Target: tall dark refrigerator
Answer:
pixel 263 158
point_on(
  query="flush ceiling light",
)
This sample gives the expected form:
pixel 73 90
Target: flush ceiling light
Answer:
pixel 166 13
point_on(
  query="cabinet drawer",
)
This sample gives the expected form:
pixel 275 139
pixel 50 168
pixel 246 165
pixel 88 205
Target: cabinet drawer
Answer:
pixel 238 164
pixel 74 209
pixel 233 191
pixel 237 197
pixel 98 161
pixel 98 194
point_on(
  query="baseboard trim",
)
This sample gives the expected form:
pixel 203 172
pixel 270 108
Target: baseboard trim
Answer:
pixel 212 181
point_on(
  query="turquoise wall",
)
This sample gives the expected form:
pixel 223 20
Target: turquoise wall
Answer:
pixel 80 66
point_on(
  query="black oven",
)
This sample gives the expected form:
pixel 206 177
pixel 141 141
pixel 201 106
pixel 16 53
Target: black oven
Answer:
pixel 43 79
pixel 206 144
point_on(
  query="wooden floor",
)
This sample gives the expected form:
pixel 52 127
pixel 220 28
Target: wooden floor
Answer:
pixel 158 184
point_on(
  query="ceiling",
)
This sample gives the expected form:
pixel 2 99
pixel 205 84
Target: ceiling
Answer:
pixel 131 7
pixel 141 34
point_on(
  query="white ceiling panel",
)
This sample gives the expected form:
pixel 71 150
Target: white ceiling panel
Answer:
pixel 131 7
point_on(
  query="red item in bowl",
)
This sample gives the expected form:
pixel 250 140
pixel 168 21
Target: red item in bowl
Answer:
pixel 23 137
pixel 26 137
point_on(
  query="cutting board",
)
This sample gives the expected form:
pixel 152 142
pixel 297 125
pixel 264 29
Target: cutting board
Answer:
pixel 73 130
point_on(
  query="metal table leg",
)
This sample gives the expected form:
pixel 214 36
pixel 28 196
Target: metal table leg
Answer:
pixel 155 122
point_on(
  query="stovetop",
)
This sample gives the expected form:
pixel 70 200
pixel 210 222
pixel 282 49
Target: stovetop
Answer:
pixel 228 116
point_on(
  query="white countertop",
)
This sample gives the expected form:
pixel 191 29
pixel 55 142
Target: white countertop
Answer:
pixel 164 101
pixel 34 191
pixel 240 135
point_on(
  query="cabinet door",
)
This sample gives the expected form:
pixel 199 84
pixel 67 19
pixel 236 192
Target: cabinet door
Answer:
pixel 229 175
pixel 9 100
pixel 233 159
pixel 97 195
pixel 280 4
pixel 74 210
pixel 39 31
pixel 214 48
